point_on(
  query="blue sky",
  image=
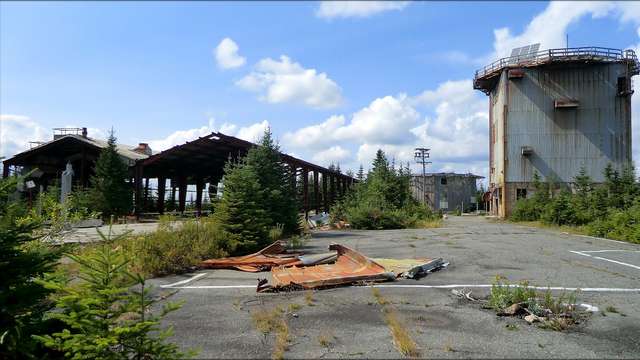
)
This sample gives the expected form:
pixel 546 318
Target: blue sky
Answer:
pixel 354 76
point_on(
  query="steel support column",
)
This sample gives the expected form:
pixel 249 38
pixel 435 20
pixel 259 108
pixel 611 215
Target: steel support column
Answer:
pixel 182 195
pixel 305 191
pixel 325 200
pixel 199 188
pixel 162 183
pixel 316 192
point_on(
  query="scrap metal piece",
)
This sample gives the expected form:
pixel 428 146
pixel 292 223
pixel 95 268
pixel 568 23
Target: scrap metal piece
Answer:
pixel 412 268
pixel 273 255
pixel 349 267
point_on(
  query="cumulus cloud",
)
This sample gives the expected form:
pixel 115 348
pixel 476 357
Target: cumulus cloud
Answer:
pixel 227 54
pixel 451 119
pixel 550 26
pixel 333 155
pixel 286 81
pixel 356 9
pixel 250 133
pixel 16 131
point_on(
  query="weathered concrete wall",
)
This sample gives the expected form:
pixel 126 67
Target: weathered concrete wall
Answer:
pixel 456 193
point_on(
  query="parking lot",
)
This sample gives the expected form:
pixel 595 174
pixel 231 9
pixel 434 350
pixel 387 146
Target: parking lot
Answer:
pixel 216 317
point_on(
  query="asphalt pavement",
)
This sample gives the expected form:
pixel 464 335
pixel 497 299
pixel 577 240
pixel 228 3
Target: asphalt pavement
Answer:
pixel 216 317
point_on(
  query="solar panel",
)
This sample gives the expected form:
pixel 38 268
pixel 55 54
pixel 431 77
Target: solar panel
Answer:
pixel 523 53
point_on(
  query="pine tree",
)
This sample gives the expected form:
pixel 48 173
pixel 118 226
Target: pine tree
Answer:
pixel 23 302
pixel 241 210
pixel 360 175
pixel 274 178
pixel 110 192
pixel 107 316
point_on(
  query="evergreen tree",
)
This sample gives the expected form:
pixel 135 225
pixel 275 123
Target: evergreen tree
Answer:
pixel 274 178
pixel 108 315
pixel 241 211
pixel 111 194
pixel 23 302
pixel 360 175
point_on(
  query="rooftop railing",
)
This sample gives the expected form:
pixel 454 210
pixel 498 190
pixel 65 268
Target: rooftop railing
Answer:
pixel 563 54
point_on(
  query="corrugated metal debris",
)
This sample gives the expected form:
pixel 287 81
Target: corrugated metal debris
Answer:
pixel 275 254
pixel 349 267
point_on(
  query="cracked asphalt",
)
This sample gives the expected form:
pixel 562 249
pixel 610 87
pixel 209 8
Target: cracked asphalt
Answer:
pixel 218 321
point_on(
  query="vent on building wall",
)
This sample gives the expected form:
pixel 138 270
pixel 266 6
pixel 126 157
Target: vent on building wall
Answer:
pixel 566 103
pixel 526 150
pixel 516 73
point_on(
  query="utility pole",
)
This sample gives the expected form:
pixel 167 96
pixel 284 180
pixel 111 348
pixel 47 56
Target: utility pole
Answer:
pixel 421 155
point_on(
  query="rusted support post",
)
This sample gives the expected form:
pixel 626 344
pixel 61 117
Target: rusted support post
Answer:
pixel 325 200
pixel 137 183
pixel 305 191
pixel 199 188
pixel 162 183
pixel 316 191
pixel 332 188
pixel 173 194
pixel 182 195
pixel 146 194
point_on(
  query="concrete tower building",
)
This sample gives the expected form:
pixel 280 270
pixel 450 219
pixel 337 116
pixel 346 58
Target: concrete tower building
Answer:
pixel 554 112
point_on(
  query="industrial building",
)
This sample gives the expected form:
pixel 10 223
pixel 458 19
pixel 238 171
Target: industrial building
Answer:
pixel 197 164
pixel 553 112
pixel 446 191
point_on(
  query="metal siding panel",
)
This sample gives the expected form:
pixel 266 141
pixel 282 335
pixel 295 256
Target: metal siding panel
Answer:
pixel 566 139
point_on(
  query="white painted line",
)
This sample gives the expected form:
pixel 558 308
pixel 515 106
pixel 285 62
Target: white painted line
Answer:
pixel 605 259
pixel 601 251
pixel 585 289
pixel 599 238
pixel 452 286
pixel 186 281
pixel 213 287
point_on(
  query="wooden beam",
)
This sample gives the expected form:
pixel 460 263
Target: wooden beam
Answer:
pixel 305 192
pixel 316 192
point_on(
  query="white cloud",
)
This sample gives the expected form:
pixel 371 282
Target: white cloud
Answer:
pixel 16 131
pixel 549 27
pixel 454 124
pixel 251 133
pixel 333 155
pixel 227 54
pixel 361 9
pixel 385 120
pixel 285 81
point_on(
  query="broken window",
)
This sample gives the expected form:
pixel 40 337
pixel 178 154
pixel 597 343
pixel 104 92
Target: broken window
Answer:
pixel 443 181
pixel 521 194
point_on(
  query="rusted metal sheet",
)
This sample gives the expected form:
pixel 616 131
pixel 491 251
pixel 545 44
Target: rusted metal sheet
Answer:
pixel 273 255
pixel 349 267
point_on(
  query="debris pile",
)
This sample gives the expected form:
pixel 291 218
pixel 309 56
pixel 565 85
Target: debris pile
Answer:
pixel 340 266
pixel 522 302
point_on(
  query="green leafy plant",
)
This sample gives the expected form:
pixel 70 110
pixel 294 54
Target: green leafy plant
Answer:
pixel 108 315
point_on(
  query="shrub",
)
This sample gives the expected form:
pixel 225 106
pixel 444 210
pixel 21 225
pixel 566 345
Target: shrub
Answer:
pixel 560 210
pixel 382 201
pixel 526 210
pixel 108 315
pixel 175 248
